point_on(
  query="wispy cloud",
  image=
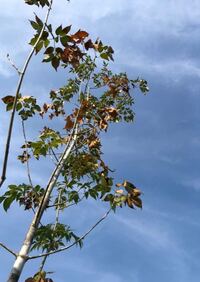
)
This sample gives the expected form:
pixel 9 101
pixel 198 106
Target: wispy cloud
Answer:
pixel 192 183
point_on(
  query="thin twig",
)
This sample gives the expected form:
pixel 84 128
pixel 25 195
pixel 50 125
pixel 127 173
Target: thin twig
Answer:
pixel 8 249
pixel 13 65
pixel 74 243
pixel 21 77
pixel 26 150
pixel 73 204
pixel 54 228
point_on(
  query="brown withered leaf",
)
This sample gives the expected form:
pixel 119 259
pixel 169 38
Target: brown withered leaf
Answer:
pixel 89 45
pixel 137 202
pixel 72 55
pixel 8 99
pixel 79 36
pixel 103 124
pixel 105 79
pixel 129 186
pixel 136 192
pixel 129 202
pixel 112 112
pixel 94 143
pixel 69 123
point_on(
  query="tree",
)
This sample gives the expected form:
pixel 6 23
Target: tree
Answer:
pixel 96 98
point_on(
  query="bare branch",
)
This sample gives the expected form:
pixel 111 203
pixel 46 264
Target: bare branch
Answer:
pixel 21 78
pixel 74 243
pixel 8 249
pixel 13 64
pixel 26 149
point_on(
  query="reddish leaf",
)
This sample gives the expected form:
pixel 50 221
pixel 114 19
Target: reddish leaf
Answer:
pixel 69 123
pixel 72 55
pixel 8 99
pixel 79 36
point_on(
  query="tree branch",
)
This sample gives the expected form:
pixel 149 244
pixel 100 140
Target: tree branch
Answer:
pixel 74 243
pixel 8 249
pixel 26 149
pixel 13 64
pixel 21 78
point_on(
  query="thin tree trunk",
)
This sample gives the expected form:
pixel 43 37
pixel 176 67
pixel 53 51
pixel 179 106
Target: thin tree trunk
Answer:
pixel 20 81
pixel 22 257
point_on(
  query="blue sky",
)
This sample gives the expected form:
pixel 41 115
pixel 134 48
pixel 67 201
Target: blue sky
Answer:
pixel 158 40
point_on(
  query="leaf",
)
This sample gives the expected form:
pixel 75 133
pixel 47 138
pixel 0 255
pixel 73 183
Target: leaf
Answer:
pixel 33 40
pixel 64 40
pixel 136 192
pixel 69 123
pixel 7 202
pixel 8 99
pixel 30 279
pixel 104 56
pixel 59 30
pixel 130 202
pixel 39 21
pixel 66 29
pixel 137 202
pixel 48 58
pixel 39 46
pixel 89 44
pixel 34 25
pixel 128 186
pixel 55 62
pixel 79 36
pixel 108 198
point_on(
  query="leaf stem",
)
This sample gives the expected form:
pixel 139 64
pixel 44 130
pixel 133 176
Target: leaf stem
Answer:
pixel 74 243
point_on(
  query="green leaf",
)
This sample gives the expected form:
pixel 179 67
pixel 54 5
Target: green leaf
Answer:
pixel 49 50
pixel 104 56
pixel 48 58
pixel 7 203
pixel 55 62
pixel 35 25
pixel 33 40
pixel 65 40
pixel 46 43
pixel 66 29
pixel 59 30
pixel 39 46
pixel 9 106
pixel 39 21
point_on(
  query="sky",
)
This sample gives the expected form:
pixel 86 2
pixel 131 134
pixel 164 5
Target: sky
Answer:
pixel 159 152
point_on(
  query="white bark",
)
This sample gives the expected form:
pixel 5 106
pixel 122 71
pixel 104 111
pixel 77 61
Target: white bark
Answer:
pixel 25 249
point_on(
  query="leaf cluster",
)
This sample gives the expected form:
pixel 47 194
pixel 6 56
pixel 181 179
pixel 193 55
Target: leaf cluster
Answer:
pixel 27 196
pixel 51 237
